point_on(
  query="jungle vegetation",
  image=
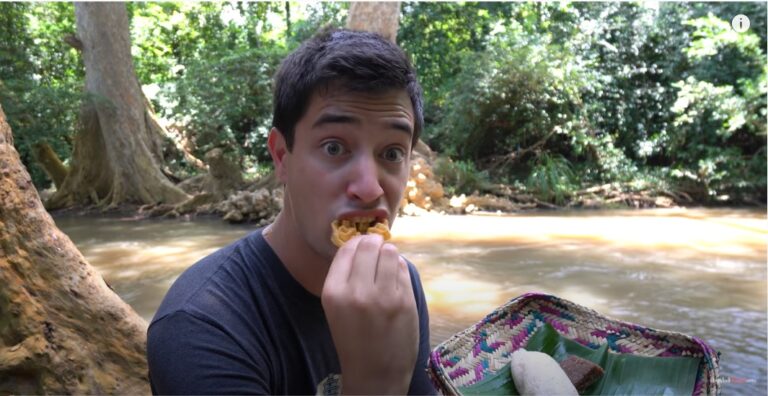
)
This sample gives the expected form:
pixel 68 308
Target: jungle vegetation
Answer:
pixel 547 98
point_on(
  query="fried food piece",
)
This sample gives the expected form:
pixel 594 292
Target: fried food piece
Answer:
pixel 344 230
pixel 581 372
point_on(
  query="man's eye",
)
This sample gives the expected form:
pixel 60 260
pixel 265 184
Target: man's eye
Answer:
pixel 394 154
pixel 333 148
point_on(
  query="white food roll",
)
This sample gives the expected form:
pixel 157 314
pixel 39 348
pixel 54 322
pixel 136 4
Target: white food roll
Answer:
pixel 536 373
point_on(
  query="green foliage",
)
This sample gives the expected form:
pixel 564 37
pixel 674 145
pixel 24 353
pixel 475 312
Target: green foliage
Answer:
pixel 717 145
pixel 552 178
pixel 40 78
pixel 54 61
pixel 168 36
pixel 712 144
pixel 632 54
pixel 226 101
pixel 517 111
pixel 755 11
pixel 159 34
pixel 619 90
pixel 720 54
pixel 208 67
pixel 460 177
pixel 438 35
pixel 319 15
pixel 605 161
pixel 548 96
pixel 13 31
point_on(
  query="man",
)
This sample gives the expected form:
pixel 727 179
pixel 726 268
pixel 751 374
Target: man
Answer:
pixel 284 311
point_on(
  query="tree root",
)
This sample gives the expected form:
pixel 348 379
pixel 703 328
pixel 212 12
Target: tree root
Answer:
pixel 613 193
pixel 21 356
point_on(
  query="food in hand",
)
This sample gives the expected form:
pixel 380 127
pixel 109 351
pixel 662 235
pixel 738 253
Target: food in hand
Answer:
pixel 344 230
pixel 581 372
pixel 536 373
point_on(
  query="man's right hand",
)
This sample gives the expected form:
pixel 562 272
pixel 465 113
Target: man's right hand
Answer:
pixel 371 311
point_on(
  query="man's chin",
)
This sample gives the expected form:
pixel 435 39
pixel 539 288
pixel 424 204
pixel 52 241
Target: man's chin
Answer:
pixel 328 250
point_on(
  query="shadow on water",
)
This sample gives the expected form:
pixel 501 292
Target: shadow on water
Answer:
pixel 141 259
pixel 700 272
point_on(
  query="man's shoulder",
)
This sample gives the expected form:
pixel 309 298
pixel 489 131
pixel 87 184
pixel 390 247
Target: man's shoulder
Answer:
pixel 415 278
pixel 223 273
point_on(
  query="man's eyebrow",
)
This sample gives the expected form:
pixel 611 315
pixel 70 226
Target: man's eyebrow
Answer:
pixel 333 118
pixel 402 126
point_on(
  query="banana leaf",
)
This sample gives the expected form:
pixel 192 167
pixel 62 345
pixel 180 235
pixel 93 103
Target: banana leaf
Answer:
pixel 625 374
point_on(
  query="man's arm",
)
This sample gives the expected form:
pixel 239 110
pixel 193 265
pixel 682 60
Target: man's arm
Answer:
pixel 187 355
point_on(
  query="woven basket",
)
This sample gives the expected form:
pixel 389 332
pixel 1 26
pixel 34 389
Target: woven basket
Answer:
pixel 471 355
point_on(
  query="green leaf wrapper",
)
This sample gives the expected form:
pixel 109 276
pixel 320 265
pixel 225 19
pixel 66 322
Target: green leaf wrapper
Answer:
pixel 625 374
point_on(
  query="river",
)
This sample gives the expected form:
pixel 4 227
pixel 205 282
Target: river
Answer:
pixel 697 271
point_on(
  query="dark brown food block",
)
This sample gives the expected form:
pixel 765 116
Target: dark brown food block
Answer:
pixel 581 372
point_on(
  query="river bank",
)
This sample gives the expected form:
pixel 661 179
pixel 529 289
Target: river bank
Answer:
pixel 258 201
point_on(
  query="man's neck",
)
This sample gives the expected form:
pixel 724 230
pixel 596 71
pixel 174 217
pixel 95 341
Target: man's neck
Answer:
pixel 301 261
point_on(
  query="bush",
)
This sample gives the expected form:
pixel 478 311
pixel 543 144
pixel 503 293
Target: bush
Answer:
pixel 40 79
pixel 509 101
pixel 552 178
pixel 225 100
pixel 717 146
pixel 459 177
pixel 717 154
pixel 39 113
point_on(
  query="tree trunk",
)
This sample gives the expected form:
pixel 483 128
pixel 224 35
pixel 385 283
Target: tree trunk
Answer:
pixel 380 17
pixel 51 163
pixel 287 19
pixel 62 330
pixel 117 157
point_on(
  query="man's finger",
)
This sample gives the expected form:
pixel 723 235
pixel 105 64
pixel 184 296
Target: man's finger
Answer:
pixel 363 271
pixel 386 271
pixel 404 278
pixel 342 262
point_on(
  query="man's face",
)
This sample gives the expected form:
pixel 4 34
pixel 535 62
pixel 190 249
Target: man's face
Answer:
pixel 350 158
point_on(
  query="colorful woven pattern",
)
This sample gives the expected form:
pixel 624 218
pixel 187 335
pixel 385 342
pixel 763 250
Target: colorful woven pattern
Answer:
pixel 482 349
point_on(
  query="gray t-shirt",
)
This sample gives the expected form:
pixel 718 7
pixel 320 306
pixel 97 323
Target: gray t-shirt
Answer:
pixel 237 322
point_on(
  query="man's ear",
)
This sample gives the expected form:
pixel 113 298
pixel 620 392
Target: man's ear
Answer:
pixel 277 150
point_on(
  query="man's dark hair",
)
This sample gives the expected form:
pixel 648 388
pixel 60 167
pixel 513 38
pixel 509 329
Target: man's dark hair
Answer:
pixel 358 61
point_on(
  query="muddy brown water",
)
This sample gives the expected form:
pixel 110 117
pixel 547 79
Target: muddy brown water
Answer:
pixel 697 271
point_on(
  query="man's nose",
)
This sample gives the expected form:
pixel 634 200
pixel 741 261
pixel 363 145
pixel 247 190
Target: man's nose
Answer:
pixel 364 184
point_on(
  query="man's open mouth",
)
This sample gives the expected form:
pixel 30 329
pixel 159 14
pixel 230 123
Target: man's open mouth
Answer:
pixel 346 229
